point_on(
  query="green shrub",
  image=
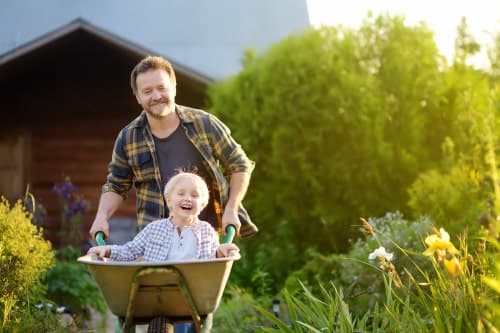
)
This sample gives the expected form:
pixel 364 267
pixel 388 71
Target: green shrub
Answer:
pixel 24 258
pixel 454 199
pixel 350 271
pixel 40 317
pixel 70 284
pixel 333 119
pixel 238 312
pixel 262 272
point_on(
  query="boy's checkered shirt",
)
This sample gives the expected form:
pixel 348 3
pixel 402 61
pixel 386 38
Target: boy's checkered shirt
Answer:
pixel 154 241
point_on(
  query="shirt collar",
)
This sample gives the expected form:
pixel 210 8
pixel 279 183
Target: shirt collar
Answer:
pixel 184 116
pixel 140 121
pixel 196 225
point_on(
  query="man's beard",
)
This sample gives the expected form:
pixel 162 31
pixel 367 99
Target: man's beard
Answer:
pixel 162 115
pixel 156 115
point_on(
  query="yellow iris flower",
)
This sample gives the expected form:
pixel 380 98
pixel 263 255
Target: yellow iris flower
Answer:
pixel 453 266
pixel 440 241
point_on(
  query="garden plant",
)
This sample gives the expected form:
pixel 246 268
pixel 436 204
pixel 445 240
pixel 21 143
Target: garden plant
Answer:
pixel 371 122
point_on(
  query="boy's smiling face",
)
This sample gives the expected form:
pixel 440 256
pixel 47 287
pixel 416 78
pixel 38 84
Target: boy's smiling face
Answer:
pixel 186 200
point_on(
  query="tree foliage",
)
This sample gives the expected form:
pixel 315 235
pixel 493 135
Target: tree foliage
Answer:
pixel 464 188
pixel 341 123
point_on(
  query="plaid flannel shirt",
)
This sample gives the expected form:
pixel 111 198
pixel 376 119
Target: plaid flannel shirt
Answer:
pixel 134 162
pixel 154 241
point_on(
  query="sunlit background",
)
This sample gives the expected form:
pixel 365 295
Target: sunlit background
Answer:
pixel 483 18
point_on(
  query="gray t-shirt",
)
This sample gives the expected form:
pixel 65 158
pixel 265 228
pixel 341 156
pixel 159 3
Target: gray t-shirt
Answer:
pixel 177 152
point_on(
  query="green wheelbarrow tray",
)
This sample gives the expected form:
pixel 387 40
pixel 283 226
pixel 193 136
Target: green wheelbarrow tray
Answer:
pixel 182 291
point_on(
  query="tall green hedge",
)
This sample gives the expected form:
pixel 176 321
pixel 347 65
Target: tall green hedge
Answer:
pixel 333 118
pixel 341 122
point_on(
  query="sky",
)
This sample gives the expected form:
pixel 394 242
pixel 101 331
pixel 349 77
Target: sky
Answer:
pixel 441 16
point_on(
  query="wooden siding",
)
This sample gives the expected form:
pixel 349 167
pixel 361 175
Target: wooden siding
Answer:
pixel 81 157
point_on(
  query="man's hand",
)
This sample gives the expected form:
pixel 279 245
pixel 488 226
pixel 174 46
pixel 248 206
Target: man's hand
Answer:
pixel 230 217
pixel 100 224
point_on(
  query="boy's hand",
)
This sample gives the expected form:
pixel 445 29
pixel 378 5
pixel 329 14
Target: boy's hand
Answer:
pixel 227 250
pixel 101 251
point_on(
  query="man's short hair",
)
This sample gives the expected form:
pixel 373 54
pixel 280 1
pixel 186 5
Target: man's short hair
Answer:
pixel 151 63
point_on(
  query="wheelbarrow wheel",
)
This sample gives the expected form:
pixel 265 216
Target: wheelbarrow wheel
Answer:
pixel 160 325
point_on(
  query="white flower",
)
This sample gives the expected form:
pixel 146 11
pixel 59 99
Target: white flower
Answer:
pixel 380 253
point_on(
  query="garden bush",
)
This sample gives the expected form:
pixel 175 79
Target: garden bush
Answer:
pixel 24 259
pixel 238 311
pixel 70 284
pixel 342 122
pixel 350 271
pixel 455 199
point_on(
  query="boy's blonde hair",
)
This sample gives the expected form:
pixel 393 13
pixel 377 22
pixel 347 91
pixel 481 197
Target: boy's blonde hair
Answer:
pixel 169 187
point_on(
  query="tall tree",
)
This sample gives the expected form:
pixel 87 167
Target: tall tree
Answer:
pixel 340 122
pixel 465 44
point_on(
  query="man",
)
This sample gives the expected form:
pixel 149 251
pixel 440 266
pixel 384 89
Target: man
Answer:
pixel 167 137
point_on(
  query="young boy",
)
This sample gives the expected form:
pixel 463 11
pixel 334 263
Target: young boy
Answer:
pixel 181 236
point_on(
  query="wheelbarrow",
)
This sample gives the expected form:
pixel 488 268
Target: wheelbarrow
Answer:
pixel 157 293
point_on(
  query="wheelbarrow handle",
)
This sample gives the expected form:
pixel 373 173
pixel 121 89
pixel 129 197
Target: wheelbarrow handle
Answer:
pixel 99 238
pixel 230 233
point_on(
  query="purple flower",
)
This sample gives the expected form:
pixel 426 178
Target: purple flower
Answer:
pixel 75 207
pixel 65 189
pixel 72 204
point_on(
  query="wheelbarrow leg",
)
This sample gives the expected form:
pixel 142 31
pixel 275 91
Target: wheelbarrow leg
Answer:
pixel 207 324
pixel 120 328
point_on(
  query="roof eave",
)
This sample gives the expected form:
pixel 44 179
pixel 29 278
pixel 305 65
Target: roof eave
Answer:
pixel 105 35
